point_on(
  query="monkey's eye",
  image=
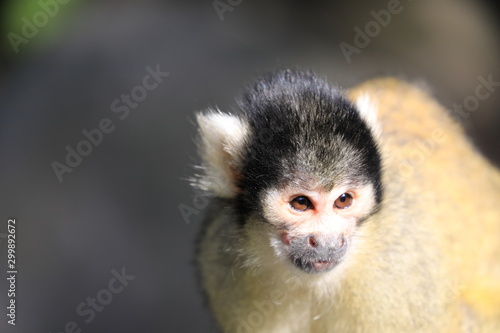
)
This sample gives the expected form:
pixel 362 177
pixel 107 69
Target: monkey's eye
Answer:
pixel 301 203
pixel 344 201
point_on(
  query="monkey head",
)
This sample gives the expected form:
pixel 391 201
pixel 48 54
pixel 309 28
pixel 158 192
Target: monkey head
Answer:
pixel 298 162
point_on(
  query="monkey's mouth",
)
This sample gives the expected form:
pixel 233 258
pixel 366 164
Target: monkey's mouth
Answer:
pixel 319 266
pixel 322 265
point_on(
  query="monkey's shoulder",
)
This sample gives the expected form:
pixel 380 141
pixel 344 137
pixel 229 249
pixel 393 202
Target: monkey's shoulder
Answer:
pixel 405 108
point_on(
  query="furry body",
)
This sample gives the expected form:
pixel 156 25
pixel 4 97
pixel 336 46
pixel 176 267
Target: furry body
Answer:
pixel 426 259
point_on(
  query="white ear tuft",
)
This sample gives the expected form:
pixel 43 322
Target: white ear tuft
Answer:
pixel 222 139
pixel 368 111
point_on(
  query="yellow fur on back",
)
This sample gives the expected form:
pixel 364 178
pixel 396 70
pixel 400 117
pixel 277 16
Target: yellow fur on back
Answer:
pixel 464 188
pixel 428 261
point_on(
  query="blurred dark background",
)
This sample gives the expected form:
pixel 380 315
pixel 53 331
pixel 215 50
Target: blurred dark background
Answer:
pixel 119 207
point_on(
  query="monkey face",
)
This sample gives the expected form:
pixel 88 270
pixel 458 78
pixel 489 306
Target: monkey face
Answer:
pixel 300 168
pixel 314 228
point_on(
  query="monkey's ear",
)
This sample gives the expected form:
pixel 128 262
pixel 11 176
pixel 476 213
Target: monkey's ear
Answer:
pixel 222 138
pixel 367 108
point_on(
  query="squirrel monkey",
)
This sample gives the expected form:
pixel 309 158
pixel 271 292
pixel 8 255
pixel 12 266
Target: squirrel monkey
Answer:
pixel 365 210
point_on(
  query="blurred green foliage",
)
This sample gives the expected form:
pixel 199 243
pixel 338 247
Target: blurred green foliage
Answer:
pixel 15 13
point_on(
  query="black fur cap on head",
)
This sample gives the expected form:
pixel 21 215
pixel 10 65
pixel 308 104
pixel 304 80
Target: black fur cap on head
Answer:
pixel 301 127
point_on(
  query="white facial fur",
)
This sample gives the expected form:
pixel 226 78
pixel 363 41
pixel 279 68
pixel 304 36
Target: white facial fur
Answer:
pixel 323 220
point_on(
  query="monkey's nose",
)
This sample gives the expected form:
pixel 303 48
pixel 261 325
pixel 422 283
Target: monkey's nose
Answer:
pixel 341 244
pixel 337 245
pixel 312 241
